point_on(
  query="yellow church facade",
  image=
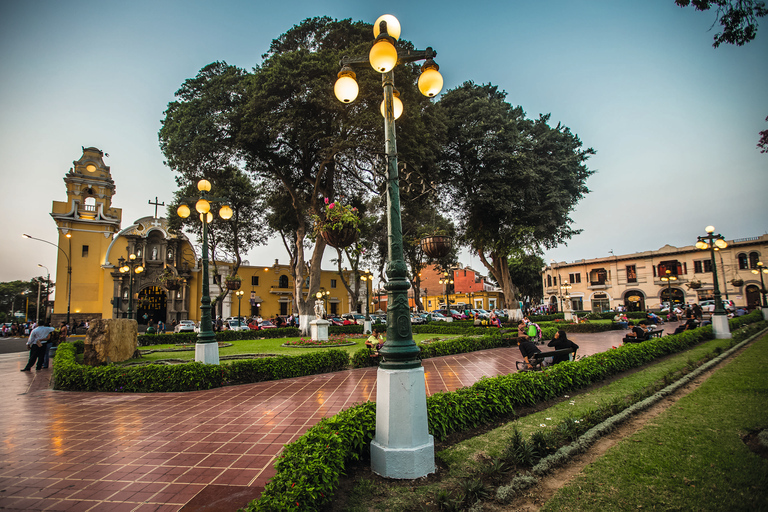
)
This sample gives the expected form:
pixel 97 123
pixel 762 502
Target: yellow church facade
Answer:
pixel 163 277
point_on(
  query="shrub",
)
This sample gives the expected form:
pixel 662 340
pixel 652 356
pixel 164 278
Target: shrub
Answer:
pixel 190 337
pixel 69 375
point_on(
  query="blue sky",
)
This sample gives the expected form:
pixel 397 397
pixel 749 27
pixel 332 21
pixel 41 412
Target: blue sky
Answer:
pixel 673 120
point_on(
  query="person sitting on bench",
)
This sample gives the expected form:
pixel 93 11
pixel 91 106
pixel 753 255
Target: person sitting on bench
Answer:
pixel 561 341
pixel 374 342
pixel 639 332
pixel 527 349
pixel 689 325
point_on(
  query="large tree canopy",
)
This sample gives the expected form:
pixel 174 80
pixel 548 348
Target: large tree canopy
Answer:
pixel 282 124
pixel 513 181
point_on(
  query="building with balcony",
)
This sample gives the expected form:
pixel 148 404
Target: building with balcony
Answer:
pixel 635 282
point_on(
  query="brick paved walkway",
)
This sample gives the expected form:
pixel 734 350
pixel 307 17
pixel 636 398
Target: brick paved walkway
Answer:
pixel 203 450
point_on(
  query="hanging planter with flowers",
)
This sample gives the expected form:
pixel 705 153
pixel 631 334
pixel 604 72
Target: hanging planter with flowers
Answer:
pixel 737 282
pixel 340 225
pixel 170 279
pixel 694 284
pixel 232 282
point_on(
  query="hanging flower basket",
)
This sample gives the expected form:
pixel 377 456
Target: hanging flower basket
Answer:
pixel 695 284
pixel 436 246
pixel 173 283
pixel 340 237
pixel 232 282
pixel 339 224
pixel 737 282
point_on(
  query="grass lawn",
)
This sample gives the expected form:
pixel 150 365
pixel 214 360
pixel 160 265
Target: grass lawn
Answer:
pixel 265 346
pixel 462 458
pixel 691 457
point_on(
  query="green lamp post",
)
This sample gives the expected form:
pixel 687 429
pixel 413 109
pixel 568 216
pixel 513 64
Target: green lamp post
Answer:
pixel 760 269
pixel 131 266
pixel 402 447
pixel 719 317
pixel 206 348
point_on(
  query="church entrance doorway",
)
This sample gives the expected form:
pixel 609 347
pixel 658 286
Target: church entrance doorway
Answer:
pixel 151 305
pixel 634 300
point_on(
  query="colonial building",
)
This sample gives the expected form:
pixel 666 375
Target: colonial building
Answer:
pixel 463 287
pixel 165 283
pixel 635 280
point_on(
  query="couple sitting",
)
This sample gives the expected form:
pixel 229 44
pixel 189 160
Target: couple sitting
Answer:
pixel 528 349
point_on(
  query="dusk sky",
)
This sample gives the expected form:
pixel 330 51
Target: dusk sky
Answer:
pixel 673 120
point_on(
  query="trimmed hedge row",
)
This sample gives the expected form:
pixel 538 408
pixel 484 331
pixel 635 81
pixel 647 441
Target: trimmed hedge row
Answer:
pixel 191 337
pixel 295 487
pixel 71 376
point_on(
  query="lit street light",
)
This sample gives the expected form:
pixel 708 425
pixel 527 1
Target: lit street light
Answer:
pixel 131 266
pixel 719 318
pixel 402 446
pixel 239 294
pixel 668 278
pixel 446 282
pixel 206 348
pixel 365 278
pixel 69 266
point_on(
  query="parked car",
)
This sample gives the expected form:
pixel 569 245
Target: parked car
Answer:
pixel 336 321
pixel 185 326
pixel 266 324
pixel 708 306
pixel 417 319
pixel 481 313
pixel 379 319
pixel 234 325
pixel 355 318
pixel 439 317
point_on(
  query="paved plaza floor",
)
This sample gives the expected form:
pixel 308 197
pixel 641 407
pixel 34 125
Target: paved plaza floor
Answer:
pixel 203 450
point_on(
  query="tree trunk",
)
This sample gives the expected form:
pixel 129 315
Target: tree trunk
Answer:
pixel 300 270
pixel 499 268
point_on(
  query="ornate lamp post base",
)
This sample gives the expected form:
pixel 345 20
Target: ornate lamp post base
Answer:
pixel 319 329
pixel 207 353
pixel 402 448
pixel 720 326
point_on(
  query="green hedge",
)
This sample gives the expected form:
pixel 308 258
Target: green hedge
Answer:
pixel 309 469
pixel 190 337
pixel 69 375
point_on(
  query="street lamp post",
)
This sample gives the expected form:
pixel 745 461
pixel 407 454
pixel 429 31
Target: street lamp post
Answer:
pixel 719 318
pixel 47 290
pixel 206 348
pixel 131 266
pixel 239 294
pixel 402 447
pixel 565 296
pixel 762 270
pixel 69 266
pixel 446 281
pixel 366 278
pixel 668 278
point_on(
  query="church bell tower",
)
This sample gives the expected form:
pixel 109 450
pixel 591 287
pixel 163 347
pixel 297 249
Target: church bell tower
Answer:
pixel 86 223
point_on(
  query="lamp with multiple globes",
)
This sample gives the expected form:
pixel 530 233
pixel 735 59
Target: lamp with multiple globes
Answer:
pixel 565 294
pixel 446 281
pixel 131 266
pixel 239 294
pixel 668 278
pixel 401 412
pixel 206 349
pixel 719 318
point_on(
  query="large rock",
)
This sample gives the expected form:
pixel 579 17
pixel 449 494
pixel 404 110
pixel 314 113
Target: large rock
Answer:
pixel 110 341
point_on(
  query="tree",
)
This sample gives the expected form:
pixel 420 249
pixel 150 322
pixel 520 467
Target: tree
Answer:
pixel 283 125
pixel 738 18
pixel 525 273
pixel 513 181
pixel 762 144
pixel 14 296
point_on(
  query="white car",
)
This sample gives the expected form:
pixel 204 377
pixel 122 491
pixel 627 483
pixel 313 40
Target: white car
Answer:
pixel 185 326
pixel 708 306
pixel 438 317
pixel 233 325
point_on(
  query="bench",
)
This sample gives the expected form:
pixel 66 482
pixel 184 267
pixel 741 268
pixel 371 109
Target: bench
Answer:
pixel 537 360
pixel 656 333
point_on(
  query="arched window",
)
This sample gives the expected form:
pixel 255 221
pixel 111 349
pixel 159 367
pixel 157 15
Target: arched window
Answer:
pixel 742 257
pixel 283 283
pixel 753 259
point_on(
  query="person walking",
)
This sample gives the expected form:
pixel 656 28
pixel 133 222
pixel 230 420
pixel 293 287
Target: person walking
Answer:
pixel 37 338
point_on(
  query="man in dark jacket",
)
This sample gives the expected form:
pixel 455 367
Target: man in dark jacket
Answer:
pixel 527 349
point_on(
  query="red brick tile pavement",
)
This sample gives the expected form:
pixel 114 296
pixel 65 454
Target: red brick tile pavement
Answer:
pixel 74 451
